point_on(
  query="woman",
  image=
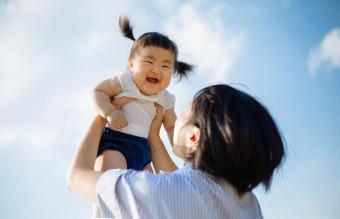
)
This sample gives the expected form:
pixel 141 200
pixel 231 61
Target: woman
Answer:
pixel 230 144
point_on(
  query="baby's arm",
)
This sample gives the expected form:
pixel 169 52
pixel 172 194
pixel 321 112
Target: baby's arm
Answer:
pixel 169 120
pixel 101 98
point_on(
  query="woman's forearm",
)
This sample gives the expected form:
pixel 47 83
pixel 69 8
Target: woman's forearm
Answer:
pixel 169 120
pixel 81 177
pixel 160 157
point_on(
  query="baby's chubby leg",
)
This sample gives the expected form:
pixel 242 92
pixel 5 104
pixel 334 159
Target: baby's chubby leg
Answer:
pixel 149 168
pixel 110 159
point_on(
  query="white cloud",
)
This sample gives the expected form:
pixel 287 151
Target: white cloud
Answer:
pixel 166 5
pixel 202 34
pixel 36 99
pixel 44 125
pixel 32 142
pixel 22 58
pixel 326 54
pixel 31 7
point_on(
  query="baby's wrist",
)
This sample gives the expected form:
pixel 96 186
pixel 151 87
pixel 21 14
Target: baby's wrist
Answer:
pixel 112 114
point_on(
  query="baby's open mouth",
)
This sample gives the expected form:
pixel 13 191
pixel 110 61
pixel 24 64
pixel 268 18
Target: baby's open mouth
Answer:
pixel 152 80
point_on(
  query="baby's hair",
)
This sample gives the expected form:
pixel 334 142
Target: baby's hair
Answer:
pixel 155 39
pixel 126 28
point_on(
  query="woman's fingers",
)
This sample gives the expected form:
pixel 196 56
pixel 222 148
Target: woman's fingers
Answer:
pixel 159 111
pixel 157 121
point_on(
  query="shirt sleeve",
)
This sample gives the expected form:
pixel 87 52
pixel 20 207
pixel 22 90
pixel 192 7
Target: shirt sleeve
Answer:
pixel 168 100
pixel 124 193
pixel 124 79
pixel 105 190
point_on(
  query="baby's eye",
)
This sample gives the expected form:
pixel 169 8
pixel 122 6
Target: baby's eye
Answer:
pixel 165 66
pixel 146 61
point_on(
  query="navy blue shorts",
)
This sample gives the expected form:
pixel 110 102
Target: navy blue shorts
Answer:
pixel 136 150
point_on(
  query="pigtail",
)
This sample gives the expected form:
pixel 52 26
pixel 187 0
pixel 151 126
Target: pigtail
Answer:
pixel 182 69
pixel 126 28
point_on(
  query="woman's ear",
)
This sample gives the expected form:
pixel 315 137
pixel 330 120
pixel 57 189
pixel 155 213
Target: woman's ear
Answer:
pixel 193 138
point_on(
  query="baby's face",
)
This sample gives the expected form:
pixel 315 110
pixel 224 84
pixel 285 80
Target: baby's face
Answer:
pixel 152 69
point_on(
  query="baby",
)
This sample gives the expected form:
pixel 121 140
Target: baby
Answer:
pixel 151 64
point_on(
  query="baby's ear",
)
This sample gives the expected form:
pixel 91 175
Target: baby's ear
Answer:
pixel 130 64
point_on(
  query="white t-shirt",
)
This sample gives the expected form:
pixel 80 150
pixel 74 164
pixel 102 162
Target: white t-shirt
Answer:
pixel 141 112
pixel 185 193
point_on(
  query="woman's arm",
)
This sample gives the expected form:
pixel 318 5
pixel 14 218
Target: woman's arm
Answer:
pixel 82 179
pixel 169 123
pixel 160 157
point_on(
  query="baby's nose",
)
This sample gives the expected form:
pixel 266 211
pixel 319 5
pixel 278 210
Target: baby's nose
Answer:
pixel 156 70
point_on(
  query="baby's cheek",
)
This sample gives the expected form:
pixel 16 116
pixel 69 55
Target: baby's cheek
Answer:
pixel 165 83
pixel 138 79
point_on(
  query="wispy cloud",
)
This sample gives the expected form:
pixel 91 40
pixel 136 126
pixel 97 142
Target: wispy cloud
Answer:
pixel 31 142
pixel 202 36
pixel 41 101
pixel 326 54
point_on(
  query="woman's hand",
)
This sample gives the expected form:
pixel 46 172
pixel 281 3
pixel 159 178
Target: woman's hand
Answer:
pixel 160 157
pixel 156 122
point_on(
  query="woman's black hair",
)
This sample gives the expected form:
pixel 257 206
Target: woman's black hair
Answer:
pixel 156 39
pixel 239 140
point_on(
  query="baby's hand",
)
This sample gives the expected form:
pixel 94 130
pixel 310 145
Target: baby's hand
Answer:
pixel 117 120
pixel 121 101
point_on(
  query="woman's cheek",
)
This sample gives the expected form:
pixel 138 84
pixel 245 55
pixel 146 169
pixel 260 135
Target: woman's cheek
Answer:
pixel 176 133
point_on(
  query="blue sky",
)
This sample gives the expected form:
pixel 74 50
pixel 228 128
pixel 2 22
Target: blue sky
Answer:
pixel 285 53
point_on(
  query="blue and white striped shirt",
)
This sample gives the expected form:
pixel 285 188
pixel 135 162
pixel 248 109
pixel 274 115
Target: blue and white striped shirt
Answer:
pixel 185 193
